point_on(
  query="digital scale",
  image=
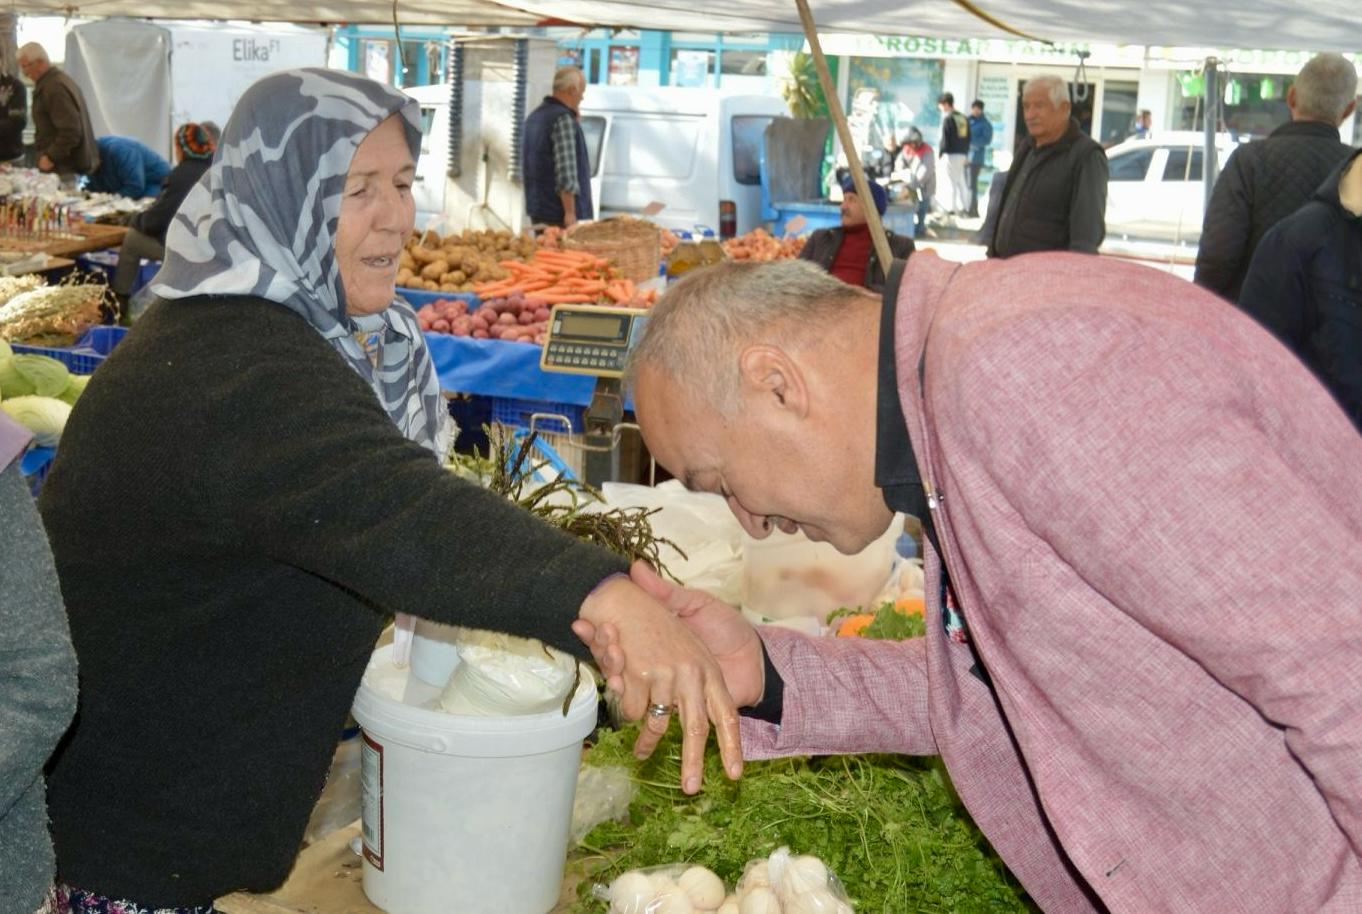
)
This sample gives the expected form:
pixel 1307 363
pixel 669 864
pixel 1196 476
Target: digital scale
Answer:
pixel 596 340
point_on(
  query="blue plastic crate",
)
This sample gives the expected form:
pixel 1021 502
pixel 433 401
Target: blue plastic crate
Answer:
pixel 521 413
pixel 35 464
pixel 88 352
pixel 418 297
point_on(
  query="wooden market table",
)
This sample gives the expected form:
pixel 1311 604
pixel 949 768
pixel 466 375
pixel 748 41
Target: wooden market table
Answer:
pixel 80 238
pixel 326 879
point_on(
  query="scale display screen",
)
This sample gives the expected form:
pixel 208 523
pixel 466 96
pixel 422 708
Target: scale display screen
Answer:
pixel 593 326
pixel 591 339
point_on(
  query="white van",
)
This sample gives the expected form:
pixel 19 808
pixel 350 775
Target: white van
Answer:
pixel 695 150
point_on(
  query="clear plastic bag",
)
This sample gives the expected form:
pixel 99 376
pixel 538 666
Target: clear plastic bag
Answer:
pixel 500 674
pixel 671 889
pixel 783 883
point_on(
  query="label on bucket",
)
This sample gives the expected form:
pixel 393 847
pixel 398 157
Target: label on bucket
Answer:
pixel 371 799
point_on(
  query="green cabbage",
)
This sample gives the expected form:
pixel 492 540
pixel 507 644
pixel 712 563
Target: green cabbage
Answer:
pixel 45 417
pixel 74 388
pixel 27 374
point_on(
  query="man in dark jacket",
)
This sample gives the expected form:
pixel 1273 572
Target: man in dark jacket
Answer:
pixel 63 139
pixel 1305 284
pixel 557 168
pixel 13 117
pixel 146 236
pixel 954 154
pixel 980 138
pixel 847 251
pixel 1055 198
pixel 1267 181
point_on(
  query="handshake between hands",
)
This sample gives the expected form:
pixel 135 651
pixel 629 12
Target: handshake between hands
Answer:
pixel 662 647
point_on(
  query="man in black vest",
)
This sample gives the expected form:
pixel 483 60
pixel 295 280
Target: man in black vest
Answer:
pixel 1055 198
pixel 557 170
pixel 1268 180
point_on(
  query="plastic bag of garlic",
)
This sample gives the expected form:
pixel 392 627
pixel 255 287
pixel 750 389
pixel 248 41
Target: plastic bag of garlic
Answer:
pixel 783 883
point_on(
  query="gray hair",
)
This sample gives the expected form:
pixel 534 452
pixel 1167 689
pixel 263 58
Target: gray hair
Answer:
pixel 1325 87
pixel 213 130
pixel 565 78
pixel 697 328
pixel 34 53
pixel 1058 88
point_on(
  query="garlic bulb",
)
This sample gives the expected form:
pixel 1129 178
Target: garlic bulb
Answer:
pixel 631 893
pixel 760 900
pixel 705 889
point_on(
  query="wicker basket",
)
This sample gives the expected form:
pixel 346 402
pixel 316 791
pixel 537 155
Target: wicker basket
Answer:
pixel 634 245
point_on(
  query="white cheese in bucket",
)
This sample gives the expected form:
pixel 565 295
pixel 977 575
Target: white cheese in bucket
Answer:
pixel 461 812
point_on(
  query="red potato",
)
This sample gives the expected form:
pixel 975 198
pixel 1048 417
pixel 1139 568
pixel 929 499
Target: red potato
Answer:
pixel 479 334
pixel 460 307
pixel 542 314
pixel 526 318
pixel 440 326
pixel 479 324
pixel 506 319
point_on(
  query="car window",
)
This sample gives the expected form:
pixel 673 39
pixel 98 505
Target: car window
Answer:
pixel 593 128
pixel 747 130
pixel 1130 166
pixel 1176 167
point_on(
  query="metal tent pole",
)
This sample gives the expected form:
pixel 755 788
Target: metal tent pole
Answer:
pixel 839 120
pixel 1210 170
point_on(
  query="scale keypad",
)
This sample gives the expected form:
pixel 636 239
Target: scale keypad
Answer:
pixel 585 355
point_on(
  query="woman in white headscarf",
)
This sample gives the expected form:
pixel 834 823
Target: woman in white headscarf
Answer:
pixel 252 483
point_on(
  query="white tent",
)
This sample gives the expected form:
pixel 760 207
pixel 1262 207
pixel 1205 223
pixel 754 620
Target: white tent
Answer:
pixel 1286 24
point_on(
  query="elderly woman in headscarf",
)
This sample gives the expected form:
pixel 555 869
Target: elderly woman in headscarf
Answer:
pixel 252 483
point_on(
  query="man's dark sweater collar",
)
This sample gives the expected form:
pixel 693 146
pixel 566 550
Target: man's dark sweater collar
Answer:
pixel 1306 128
pixel 896 472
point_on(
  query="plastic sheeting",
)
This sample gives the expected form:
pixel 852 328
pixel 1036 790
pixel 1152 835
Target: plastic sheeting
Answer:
pixel 123 70
pixel 492 368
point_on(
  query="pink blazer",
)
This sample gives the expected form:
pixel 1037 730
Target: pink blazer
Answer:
pixel 1152 515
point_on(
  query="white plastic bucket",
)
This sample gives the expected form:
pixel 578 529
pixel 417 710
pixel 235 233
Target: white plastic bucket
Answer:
pixel 460 813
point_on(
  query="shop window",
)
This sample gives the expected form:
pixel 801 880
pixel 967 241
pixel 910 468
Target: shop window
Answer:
pixel 1118 111
pixel 691 67
pixel 1252 104
pixel 1130 166
pixel 742 63
pixel 747 131
pixel 376 59
pixel 889 95
pixel 1177 168
pixel 623 65
pixel 593 128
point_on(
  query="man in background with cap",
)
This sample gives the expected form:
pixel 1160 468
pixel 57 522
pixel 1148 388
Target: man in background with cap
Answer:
pixel 847 251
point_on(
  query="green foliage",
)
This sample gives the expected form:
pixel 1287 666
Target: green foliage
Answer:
pixel 801 89
pixel 888 826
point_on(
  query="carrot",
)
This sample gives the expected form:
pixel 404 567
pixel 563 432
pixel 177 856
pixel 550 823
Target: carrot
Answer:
pixel 541 298
pixel 852 626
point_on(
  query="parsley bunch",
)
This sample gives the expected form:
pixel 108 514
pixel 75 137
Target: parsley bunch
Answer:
pixel 890 827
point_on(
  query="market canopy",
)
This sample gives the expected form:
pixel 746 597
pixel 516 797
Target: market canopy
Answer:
pixel 1270 24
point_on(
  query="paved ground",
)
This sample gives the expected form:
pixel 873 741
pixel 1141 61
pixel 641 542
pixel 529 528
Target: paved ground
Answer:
pixel 954 238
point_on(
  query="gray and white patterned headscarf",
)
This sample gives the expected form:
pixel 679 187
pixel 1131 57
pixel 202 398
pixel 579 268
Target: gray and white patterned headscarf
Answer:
pixel 262 222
